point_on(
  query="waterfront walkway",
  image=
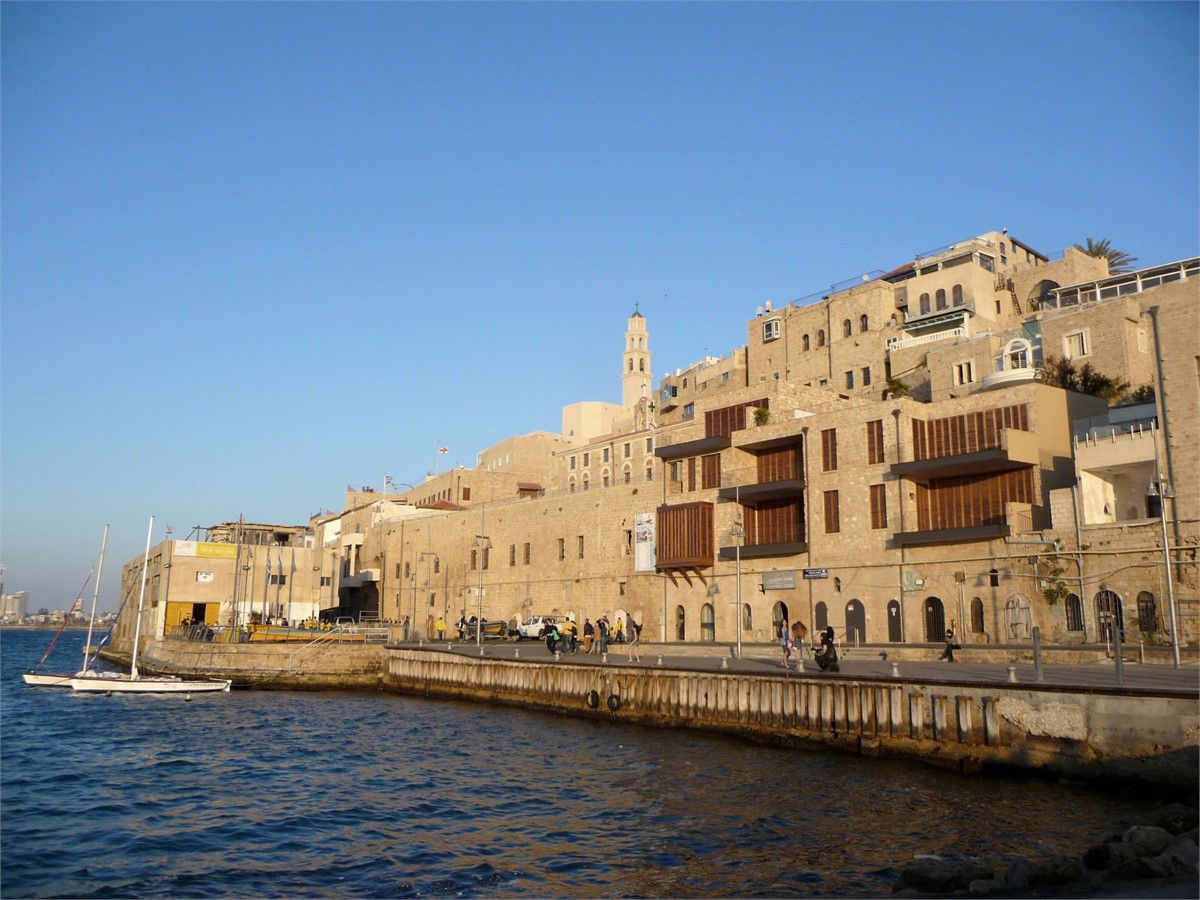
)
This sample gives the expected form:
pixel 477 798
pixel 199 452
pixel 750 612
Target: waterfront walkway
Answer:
pixel 869 662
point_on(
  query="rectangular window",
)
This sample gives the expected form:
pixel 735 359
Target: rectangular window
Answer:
pixel 878 506
pixel 606 454
pixel 487 557
pixel 771 330
pixel 528 552
pixel 866 376
pixel 833 520
pixel 512 554
pixel 562 549
pixel 628 450
pixel 587 458
pixel 689 411
pixel 326 581
pixel 474 560
pixel 1075 344
pixel 850 380
pixel 649 445
pixel 580 543
pixel 278 579
pixel 572 464
pixel 829 450
pixel 466 495
pixel 964 372
pixel 875 442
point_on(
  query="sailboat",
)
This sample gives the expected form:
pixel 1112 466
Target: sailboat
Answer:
pixel 37 677
pixel 90 681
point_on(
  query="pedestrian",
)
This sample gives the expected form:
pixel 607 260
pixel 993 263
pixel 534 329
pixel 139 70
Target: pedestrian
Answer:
pixel 619 631
pixel 635 641
pixel 602 629
pixel 785 641
pixel 406 628
pixel 799 633
pixel 441 628
pixel 462 626
pixel 951 643
pixel 589 635
pixel 570 633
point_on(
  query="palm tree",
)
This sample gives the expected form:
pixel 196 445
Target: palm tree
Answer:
pixel 1118 260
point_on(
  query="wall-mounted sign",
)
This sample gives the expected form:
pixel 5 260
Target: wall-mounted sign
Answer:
pixel 779 581
pixel 810 574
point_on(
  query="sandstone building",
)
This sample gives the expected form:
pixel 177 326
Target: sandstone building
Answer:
pixel 881 458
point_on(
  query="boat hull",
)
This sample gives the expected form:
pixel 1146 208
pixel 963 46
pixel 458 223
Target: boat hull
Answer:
pixel 47 679
pixel 146 685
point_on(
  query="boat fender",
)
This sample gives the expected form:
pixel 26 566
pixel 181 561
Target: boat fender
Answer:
pixel 593 700
pixel 614 702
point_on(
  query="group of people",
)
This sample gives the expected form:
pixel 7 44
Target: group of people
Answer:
pixel 564 636
pixel 791 641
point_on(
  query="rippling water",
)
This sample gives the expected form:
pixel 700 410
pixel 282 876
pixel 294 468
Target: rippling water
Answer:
pixel 373 795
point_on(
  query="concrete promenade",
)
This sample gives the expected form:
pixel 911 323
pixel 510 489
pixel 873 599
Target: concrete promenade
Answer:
pixel 909 662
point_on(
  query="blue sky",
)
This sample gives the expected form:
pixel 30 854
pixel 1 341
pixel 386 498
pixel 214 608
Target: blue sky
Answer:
pixel 253 253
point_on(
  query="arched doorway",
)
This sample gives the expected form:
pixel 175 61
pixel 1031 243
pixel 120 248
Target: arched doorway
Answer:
pixel 680 623
pixel 1109 614
pixel 977 623
pixel 821 614
pixel 856 622
pixel 1018 618
pixel 895 626
pixel 779 613
pixel 708 623
pixel 935 620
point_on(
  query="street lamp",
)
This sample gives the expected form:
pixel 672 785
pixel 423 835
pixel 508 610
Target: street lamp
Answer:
pixel 738 533
pixel 428 557
pixel 1162 489
pixel 483 544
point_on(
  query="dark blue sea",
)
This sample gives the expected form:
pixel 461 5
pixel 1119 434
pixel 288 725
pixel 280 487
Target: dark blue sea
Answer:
pixel 267 794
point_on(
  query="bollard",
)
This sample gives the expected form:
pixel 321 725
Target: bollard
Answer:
pixel 1118 655
pixel 1037 654
pixel 660 660
pixel 557 655
pixel 604 658
pixel 724 662
pixel 1141 653
pixel 449 646
pixel 421 643
pixel 481 653
pixel 517 653
pixel 895 670
pixel 1012 674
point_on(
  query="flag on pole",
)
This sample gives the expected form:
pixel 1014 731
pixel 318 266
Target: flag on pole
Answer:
pixel 443 450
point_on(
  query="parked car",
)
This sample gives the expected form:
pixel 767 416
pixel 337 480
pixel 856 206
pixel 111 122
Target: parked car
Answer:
pixel 533 627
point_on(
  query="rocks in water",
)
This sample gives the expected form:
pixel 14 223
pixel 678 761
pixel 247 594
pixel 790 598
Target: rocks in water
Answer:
pixel 1165 847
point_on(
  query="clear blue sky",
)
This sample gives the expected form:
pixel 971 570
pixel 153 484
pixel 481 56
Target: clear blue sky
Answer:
pixel 253 253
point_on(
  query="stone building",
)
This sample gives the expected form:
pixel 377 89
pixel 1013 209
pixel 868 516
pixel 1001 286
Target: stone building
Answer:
pixel 881 459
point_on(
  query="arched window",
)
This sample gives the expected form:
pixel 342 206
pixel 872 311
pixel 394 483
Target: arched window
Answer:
pixel 708 623
pixel 895 626
pixel 650 470
pixel 680 623
pixel 935 620
pixel 586 482
pixel 941 298
pixel 747 619
pixel 821 338
pixel 863 322
pixel 1074 609
pixel 977 616
pixel 924 304
pixel 641 365
pixel 847 329
pixel 627 473
pixel 631 365
pixel 1147 613
pixel 804 342
pixel 571 485
pixel 956 295
pixel 1018 354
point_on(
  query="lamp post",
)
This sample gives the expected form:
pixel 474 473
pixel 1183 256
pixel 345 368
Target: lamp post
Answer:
pixel 428 557
pixel 483 544
pixel 1163 490
pixel 738 533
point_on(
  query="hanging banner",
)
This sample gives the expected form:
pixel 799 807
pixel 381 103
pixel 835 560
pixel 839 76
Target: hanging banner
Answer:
pixel 643 542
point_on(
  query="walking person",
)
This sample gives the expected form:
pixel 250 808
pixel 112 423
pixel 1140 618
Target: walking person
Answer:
pixel 635 641
pixel 589 635
pixel 799 633
pixel 951 643
pixel 441 628
pixel 602 630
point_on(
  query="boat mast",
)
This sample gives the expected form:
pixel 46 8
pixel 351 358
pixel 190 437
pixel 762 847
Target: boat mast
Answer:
pixel 87 650
pixel 137 627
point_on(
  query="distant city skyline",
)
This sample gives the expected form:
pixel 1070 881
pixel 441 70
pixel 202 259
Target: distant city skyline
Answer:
pixel 256 252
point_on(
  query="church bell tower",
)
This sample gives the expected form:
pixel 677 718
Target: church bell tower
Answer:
pixel 636 381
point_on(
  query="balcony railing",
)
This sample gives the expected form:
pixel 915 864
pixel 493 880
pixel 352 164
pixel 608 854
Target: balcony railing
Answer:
pixel 900 343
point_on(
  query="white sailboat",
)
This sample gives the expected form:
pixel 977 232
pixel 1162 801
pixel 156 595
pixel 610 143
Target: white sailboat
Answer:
pixel 90 681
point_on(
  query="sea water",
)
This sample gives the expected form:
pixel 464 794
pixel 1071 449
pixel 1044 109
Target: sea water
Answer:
pixel 330 794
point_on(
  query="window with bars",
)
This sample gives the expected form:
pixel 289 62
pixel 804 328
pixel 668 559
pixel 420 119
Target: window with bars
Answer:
pixel 833 519
pixel 829 450
pixel 875 442
pixel 878 506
